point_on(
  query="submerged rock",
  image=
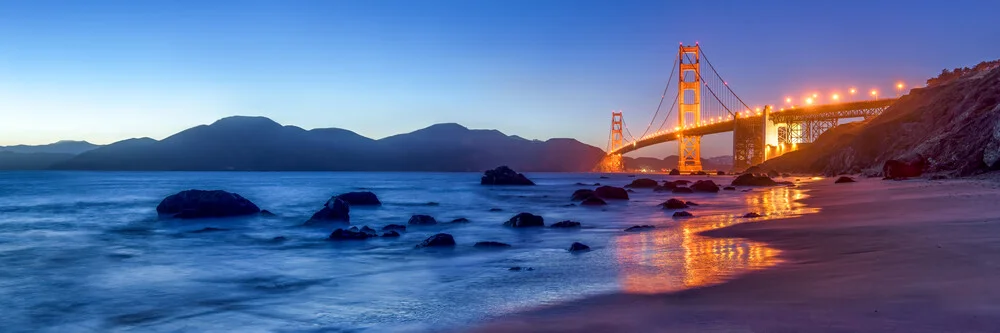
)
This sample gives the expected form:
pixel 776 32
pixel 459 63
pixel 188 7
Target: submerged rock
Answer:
pixel 643 183
pixel 460 220
pixel 524 220
pixel 504 175
pixel 749 179
pixel 208 229
pixel 637 228
pixel 193 204
pixel 611 192
pixel 581 194
pixel 349 234
pixel 519 268
pixel 368 230
pixel 674 204
pixel 390 234
pixel 364 198
pixel 496 210
pixel 335 209
pixel 729 188
pixel 397 227
pixel 419 219
pixel 593 201
pixel 705 186
pixel 566 224
pixel 438 240
pixel 491 244
pixel 578 247
pixel 683 214
pixel 844 179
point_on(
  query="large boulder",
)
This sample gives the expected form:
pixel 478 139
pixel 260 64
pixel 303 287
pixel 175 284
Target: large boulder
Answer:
pixel 611 192
pixel 422 220
pixel 749 179
pixel 581 194
pixel 643 183
pixel 503 175
pixel 438 240
pixel 360 198
pixel 350 234
pixel 193 204
pixel 899 169
pixel 524 220
pixel 674 204
pixel 335 209
pixel 705 186
pixel 578 247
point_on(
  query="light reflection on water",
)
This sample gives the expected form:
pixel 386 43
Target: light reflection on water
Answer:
pixel 671 259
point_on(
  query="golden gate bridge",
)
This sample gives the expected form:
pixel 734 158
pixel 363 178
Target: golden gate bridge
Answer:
pixel 706 104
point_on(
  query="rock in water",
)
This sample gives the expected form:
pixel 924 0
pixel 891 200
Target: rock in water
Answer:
pixel 349 234
pixel 705 186
pixel 360 199
pixel 460 220
pixel 593 201
pixel 844 179
pixel 566 224
pixel 390 234
pixel 682 190
pixel 193 204
pixel 691 203
pixel 721 173
pixel 637 228
pixel 751 215
pixel 422 220
pixel 611 192
pixel 675 172
pixel 683 214
pixel 682 182
pixel 368 230
pixel 578 247
pixel 524 220
pixel 581 194
pixel 334 210
pixel 748 179
pixel 491 244
pixel 503 175
pixel 674 204
pixel 643 183
pixel 267 213
pixel 397 227
pixel 729 188
pixel 438 240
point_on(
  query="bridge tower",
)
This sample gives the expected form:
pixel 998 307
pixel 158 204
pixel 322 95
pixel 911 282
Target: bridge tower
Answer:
pixel 614 162
pixel 617 123
pixel 689 102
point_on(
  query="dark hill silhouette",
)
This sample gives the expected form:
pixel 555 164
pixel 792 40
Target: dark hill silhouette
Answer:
pixel 30 161
pixel 61 147
pixel 258 143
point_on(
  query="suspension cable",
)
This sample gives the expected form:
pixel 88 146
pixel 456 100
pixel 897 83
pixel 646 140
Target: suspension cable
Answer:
pixel 673 68
pixel 723 80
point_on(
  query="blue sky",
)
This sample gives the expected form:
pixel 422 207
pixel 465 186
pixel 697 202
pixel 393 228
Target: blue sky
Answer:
pixel 109 70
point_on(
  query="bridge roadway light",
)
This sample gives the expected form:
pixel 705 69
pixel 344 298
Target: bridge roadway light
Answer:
pixel 809 101
pixel 875 93
pixel 836 97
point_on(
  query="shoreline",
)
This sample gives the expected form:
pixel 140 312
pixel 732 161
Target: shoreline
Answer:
pixel 912 256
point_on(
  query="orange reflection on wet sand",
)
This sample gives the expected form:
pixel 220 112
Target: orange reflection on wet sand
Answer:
pixel 675 258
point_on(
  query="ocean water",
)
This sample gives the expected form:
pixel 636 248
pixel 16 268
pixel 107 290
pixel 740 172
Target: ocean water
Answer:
pixel 86 251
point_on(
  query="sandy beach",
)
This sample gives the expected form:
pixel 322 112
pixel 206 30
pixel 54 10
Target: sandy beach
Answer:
pixel 879 256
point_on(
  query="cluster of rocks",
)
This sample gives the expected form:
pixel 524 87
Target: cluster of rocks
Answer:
pixel 504 175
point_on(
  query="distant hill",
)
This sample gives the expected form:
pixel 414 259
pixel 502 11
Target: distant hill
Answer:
pixel 30 161
pixel 260 144
pixel 724 163
pixel 61 147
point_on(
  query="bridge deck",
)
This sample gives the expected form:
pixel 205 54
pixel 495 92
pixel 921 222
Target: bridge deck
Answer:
pixel 818 112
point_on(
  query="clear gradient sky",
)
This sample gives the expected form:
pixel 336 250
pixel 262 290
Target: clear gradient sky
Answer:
pixel 108 70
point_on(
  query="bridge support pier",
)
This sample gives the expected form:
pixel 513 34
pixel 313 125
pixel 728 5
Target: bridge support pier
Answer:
pixel 611 163
pixel 690 154
pixel 749 138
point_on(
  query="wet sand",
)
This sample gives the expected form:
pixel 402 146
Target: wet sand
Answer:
pixel 880 256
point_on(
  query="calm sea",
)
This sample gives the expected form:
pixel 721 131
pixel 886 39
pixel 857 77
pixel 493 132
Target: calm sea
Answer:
pixel 86 252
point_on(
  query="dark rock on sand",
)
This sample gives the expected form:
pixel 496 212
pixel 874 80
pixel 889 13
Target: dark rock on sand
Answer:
pixel 524 220
pixel 638 228
pixel 334 210
pixel 611 192
pixel 578 247
pixel 422 220
pixel 749 179
pixel 844 179
pixel 438 240
pixel 491 244
pixel 503 175
pixel 397 227
pixel 360 198
pixel 674 204
pixel 908 168
pixel 192 204
pixel 683 214
pixel 566 224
